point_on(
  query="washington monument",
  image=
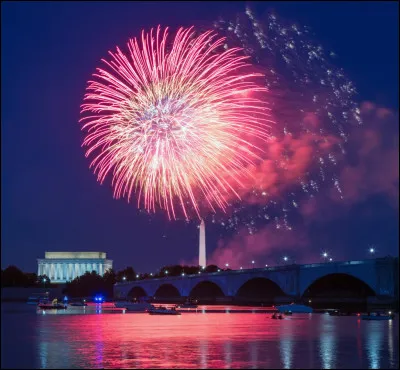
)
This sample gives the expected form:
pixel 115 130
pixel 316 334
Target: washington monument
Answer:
pixel 202 245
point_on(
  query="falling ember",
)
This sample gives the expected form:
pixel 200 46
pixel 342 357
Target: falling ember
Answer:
pixel 175 121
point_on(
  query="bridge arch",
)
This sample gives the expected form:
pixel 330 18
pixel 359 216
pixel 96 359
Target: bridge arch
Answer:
pixel 206 290
pixel 260 289
pixel 137 292
pixel 338 284
pixel 167 290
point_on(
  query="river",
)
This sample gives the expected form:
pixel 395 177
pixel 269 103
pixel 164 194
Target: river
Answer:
pixel 105 338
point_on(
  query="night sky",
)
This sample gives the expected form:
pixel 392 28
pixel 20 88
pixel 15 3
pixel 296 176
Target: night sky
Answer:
pixel 51 201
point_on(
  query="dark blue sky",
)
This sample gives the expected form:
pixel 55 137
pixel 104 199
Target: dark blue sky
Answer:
pixel 50 198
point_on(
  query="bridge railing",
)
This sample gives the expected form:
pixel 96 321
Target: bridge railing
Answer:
pixel 240 271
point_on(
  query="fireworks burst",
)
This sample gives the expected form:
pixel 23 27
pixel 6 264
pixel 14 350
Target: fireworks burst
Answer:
pixel 176 122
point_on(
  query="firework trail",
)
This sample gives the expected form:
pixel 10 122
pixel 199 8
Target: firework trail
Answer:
pixel 312 100
pixel 176 122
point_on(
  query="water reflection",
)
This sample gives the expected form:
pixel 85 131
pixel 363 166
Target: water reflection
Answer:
pixel 286 344
pixel 228 353
pixel 390 340
pixel 327 342
pixel 374 343
pixel 199 341
pixel 203 354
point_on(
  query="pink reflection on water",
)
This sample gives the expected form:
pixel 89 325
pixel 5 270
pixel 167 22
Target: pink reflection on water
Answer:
pixel 193 341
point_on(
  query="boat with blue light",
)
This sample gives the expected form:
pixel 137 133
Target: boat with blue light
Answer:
pixel 377 317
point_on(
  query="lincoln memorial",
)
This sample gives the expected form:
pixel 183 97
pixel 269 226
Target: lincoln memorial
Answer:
pixel 61 267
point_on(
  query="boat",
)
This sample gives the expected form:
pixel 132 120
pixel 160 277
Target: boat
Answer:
pixel 54 305
pixel 339 313
pixel 294 308
pixel 163 311
pixel 377 317
pixel 78 304
pixel 134 306
pixel 187 305
pixel 36 298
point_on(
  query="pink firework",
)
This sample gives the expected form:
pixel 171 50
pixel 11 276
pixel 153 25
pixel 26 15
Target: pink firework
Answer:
pixel 177 123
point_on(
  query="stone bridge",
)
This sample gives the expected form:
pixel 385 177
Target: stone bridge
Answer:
pixel 378 276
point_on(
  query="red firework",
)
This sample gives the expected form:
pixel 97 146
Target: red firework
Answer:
pixel 175 122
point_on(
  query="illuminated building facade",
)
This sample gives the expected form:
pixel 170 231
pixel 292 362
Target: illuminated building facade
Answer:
pixel 61 267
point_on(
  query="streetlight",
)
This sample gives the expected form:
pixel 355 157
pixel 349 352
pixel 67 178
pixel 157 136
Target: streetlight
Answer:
pixel 137 276
pixel 183 274
pixel 253 262
pixel 324 254
pixel 203 267
pixel 372 250
pixel 219 270
pixel 44 283
pixel 241 267
pixel 226 265
pixel 124 278
pixel 330 259
pixel 166 272
pixel 285 258
pixel 266 265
